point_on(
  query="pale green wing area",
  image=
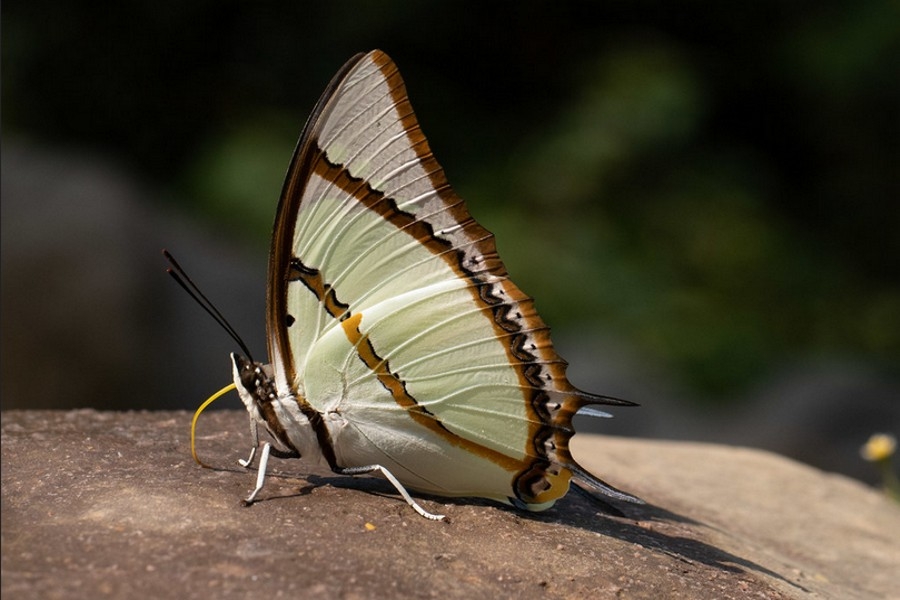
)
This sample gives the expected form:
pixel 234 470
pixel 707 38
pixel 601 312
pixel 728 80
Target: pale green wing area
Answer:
pixel 472 431
pixel 366 237
pixel 364 258
pixel 369 127
pixel 424 321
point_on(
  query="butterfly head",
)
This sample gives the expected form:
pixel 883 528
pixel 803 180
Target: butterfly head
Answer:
pixel 255 384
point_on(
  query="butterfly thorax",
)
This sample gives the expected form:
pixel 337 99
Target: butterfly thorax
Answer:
pixel 282 416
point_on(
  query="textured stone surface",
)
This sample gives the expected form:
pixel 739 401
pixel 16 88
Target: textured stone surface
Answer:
pixel 109 504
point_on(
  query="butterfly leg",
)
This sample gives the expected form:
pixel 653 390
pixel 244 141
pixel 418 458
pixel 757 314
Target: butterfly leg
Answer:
pixel 261 473
pixel 254 434
pixel 246 463
pixel 396 483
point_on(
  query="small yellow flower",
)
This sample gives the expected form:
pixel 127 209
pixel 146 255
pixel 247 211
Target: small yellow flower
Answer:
pixel 881 446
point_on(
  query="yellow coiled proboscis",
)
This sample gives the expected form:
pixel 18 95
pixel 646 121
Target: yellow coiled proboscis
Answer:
pixel 203 406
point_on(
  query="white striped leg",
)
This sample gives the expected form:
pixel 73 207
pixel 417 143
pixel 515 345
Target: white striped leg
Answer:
pixel 261 473
pixel 254 433
pixel 395 482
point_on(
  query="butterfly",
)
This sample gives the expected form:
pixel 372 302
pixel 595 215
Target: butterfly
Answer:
pixel 397 342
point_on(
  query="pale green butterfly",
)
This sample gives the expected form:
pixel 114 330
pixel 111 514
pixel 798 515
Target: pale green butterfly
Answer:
pixel 397 341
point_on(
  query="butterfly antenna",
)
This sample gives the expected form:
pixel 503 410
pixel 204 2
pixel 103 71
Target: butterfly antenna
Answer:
pixel 188 285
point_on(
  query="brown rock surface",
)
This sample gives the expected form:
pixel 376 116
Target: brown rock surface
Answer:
pixel 110 504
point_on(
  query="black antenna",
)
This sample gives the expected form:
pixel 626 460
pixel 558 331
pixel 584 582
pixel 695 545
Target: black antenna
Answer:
pixel 188 285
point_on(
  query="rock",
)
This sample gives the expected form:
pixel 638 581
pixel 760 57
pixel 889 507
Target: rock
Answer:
pixel 110 504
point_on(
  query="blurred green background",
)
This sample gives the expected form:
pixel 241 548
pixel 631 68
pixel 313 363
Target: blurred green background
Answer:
pixel 711 187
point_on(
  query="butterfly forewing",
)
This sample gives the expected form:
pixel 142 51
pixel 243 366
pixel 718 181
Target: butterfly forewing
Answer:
pixel 391 314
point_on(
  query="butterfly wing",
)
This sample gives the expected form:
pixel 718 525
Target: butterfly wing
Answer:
pixel 391 314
